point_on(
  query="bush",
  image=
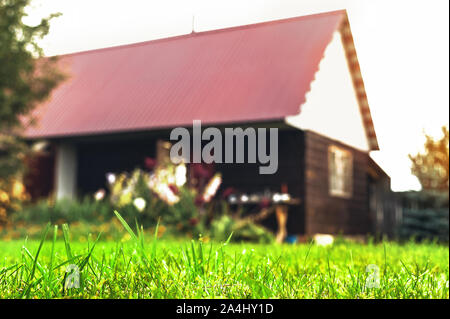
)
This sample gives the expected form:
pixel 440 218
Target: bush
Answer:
pixel 425 224
pixel 148 198
pixel 68 211
pixel 224 223
pixel 425 216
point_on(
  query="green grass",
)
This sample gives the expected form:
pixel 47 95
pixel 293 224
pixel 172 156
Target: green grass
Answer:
pixel 154 268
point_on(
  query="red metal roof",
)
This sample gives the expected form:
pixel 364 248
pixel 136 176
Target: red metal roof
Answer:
pixel 251 73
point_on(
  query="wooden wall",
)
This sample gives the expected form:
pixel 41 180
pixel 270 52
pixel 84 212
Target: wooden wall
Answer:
pixel 330 214
pixel 96 159
pixel 383 205
pixel 246 177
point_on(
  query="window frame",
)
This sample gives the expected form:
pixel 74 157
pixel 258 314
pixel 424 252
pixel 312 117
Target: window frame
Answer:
pixel 346 176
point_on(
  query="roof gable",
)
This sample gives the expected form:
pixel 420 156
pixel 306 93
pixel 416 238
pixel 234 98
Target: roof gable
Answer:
pixel 331 107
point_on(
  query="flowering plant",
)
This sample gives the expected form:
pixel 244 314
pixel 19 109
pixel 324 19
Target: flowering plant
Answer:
pixel 159 193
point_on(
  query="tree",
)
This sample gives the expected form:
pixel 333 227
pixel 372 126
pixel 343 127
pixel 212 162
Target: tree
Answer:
pixel 26 78
pixel 432 166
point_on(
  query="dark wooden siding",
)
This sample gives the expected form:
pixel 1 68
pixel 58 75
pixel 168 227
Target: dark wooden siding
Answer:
pixel 246 177
pixel 96 159
pixel 330 214
pixel 39 174
pixel 382 202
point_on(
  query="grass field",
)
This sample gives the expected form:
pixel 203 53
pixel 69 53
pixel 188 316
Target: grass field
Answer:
pixel 153 268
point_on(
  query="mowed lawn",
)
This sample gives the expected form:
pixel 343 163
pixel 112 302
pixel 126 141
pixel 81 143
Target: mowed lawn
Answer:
pixel 149 268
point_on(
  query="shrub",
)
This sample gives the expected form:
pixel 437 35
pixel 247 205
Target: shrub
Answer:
pixel 147 198
pixel 425 224
pixel 69 211
pixel 223 223
pixel 425 216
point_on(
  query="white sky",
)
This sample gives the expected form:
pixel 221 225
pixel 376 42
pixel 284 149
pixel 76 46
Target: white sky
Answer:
pixel 402 46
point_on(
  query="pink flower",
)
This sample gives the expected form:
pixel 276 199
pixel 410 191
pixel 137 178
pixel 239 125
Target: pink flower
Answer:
pixel 150 163
pixel 174 189
pixel 227 192
pixel 202 170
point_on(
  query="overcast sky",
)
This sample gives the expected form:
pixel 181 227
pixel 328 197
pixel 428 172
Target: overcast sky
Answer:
pixel 402 46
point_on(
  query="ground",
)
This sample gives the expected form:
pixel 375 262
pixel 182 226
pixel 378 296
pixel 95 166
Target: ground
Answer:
pixel 158 268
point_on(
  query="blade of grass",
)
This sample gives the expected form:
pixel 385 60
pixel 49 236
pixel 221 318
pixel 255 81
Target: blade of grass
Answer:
pixel 126 226
pixel 35 261
pixel 66 235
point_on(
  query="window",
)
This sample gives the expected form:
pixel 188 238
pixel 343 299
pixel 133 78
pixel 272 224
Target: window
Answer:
pixel 340 170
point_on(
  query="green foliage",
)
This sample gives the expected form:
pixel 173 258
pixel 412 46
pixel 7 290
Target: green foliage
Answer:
pixel 425 216
pixel 425 224
pixel 23 80
pixel 66 211
pixel 424 199
pixel 242 230
pixel 222 227
pixel 179 220
pixel 183 215
pixel 224 222
pixel 12 153
pixel 150 198
pixel 26 78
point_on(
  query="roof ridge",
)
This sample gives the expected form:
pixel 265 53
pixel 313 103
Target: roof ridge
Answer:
pixel 202 33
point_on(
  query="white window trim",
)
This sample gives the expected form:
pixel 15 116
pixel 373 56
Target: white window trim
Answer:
pixel 340 192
